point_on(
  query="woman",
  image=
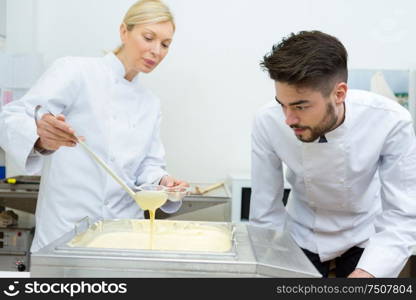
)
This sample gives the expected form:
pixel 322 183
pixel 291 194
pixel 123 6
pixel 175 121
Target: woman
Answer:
pixel 102 100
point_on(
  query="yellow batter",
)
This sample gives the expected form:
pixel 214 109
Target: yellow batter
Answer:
pixel 151 200
pixel 168 235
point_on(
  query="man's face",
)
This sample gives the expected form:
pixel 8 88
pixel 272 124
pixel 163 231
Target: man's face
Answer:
pixel 307 111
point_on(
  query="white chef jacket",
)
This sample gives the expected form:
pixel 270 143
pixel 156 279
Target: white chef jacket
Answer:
pixel 358 189
pixel 120 121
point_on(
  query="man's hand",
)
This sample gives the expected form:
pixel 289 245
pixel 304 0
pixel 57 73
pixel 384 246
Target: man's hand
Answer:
pixel 169 181
pixel 54 133
pixel 360 273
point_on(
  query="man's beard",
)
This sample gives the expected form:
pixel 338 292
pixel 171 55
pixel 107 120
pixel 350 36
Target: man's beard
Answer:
pixel 327 123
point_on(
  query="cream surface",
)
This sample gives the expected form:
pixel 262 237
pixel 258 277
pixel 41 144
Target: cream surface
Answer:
pixel 168 235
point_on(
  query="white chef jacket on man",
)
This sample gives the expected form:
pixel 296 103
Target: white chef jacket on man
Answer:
pixel 120 121
pixel 358 189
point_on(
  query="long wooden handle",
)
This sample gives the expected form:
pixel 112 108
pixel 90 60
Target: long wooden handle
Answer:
pixel 209 188
pixel 96 158
pixel 107 168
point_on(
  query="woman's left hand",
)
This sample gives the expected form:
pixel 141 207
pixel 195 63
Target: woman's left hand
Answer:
pixel 169 181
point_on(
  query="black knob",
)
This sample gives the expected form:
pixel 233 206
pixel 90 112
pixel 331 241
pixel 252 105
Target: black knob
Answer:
pixel 21 267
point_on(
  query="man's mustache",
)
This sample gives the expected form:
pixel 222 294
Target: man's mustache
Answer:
pixel 299 127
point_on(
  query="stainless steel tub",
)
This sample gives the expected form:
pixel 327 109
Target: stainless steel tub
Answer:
pixel 255 252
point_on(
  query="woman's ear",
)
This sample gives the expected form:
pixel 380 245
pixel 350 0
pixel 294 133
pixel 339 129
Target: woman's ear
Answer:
pixel 123 32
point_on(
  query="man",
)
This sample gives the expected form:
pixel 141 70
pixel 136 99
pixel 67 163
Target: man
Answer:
pixel 351 158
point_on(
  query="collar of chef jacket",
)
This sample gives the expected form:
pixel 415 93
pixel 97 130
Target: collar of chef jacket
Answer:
pixel 118 69
pixel 338 134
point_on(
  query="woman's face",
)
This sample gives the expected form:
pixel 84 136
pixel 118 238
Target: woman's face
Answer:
pixel 145 46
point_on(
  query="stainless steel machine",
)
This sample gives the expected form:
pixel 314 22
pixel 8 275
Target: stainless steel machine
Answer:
pixel 255 252
pixel 214 206
pixel 15 239
pixel 14 248
pixel 19 193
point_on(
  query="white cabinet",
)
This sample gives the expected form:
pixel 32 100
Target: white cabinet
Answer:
pixel 239 184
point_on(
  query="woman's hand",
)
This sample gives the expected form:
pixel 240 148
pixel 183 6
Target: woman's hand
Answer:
pixel 169 181
pixel 54 133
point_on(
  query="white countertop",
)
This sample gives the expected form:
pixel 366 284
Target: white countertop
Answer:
pixel 6 274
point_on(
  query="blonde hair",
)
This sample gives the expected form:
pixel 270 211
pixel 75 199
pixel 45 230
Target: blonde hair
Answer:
pixel 146 12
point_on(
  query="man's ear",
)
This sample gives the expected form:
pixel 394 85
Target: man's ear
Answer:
pixel 341 92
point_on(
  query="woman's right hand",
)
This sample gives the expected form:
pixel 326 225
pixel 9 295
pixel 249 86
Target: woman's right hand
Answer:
pixel 54 132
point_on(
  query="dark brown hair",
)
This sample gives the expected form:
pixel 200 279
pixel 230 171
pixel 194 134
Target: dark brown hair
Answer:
pixel 311 59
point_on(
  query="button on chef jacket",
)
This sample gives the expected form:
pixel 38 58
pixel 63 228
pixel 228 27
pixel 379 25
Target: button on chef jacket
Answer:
pixel 357 189
pixel 120 121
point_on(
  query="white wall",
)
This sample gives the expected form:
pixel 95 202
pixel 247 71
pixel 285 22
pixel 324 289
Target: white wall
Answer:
pixel 21 26
pixel 2 23
pixel 2 18
pixel 210 83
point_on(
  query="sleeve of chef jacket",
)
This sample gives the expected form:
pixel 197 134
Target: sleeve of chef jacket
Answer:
pixel 391 246
pixel 267 185
pixel 152 169
pixel 55 90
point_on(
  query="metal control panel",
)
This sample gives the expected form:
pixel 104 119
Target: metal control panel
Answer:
pixel 15 248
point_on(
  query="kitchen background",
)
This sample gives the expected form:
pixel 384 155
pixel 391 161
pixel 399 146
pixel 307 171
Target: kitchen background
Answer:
pixel 210 84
